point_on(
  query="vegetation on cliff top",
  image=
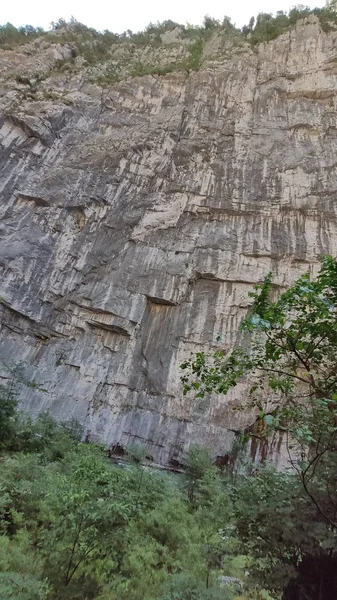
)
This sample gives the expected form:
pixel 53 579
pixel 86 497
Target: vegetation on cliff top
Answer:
pixel 96 47
pixel 264 28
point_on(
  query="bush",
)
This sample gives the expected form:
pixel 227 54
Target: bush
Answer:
pixel 11 36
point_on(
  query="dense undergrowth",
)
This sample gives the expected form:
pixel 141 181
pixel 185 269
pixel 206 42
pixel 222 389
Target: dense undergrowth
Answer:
pixel 74 526
pixel 96 47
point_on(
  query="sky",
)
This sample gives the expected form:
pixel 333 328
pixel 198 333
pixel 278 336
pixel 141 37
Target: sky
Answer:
pixel 136 14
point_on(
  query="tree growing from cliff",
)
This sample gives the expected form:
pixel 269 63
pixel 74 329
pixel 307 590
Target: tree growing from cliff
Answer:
pixel 289 351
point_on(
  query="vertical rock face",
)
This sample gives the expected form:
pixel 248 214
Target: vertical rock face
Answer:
pixel 135 219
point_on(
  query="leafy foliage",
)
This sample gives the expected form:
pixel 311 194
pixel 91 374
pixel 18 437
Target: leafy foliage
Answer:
pixel 290 354
pixel 11 36
pixel 72 525
pixel 288 544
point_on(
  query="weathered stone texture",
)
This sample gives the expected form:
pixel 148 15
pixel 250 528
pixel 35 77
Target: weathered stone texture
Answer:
pixel 135 219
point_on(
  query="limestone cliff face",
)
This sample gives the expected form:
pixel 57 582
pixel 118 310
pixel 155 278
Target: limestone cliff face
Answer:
pixel 135 219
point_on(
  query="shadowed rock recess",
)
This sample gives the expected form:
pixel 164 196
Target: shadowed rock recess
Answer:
pixel 136 217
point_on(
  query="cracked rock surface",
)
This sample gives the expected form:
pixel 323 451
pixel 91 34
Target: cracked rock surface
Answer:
pixel 136 218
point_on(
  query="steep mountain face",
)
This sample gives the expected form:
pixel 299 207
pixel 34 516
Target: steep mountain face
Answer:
pixel 135 218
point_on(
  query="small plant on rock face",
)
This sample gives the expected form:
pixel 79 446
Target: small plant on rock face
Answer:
pixel 193 62
pixel 140 69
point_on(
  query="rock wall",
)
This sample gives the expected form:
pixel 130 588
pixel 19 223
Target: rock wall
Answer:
pixel 136 218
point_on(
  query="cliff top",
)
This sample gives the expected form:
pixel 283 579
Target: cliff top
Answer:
pixel 30 55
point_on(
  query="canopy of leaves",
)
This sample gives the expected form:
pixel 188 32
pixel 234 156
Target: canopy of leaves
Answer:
pixel 73 525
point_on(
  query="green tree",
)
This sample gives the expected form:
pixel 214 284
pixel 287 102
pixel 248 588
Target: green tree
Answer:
pixel 74 526
pixel 289 351
pixel 288 547
pixel 198 471
pixel 292 361
pixel 8 416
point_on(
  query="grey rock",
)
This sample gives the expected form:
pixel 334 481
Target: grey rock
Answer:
pixel 136 218
pixel 225 580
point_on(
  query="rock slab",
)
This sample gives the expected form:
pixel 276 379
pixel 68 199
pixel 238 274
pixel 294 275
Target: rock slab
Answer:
pixel 136 218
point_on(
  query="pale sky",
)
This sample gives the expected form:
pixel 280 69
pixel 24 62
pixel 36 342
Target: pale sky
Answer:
pixel 136 14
